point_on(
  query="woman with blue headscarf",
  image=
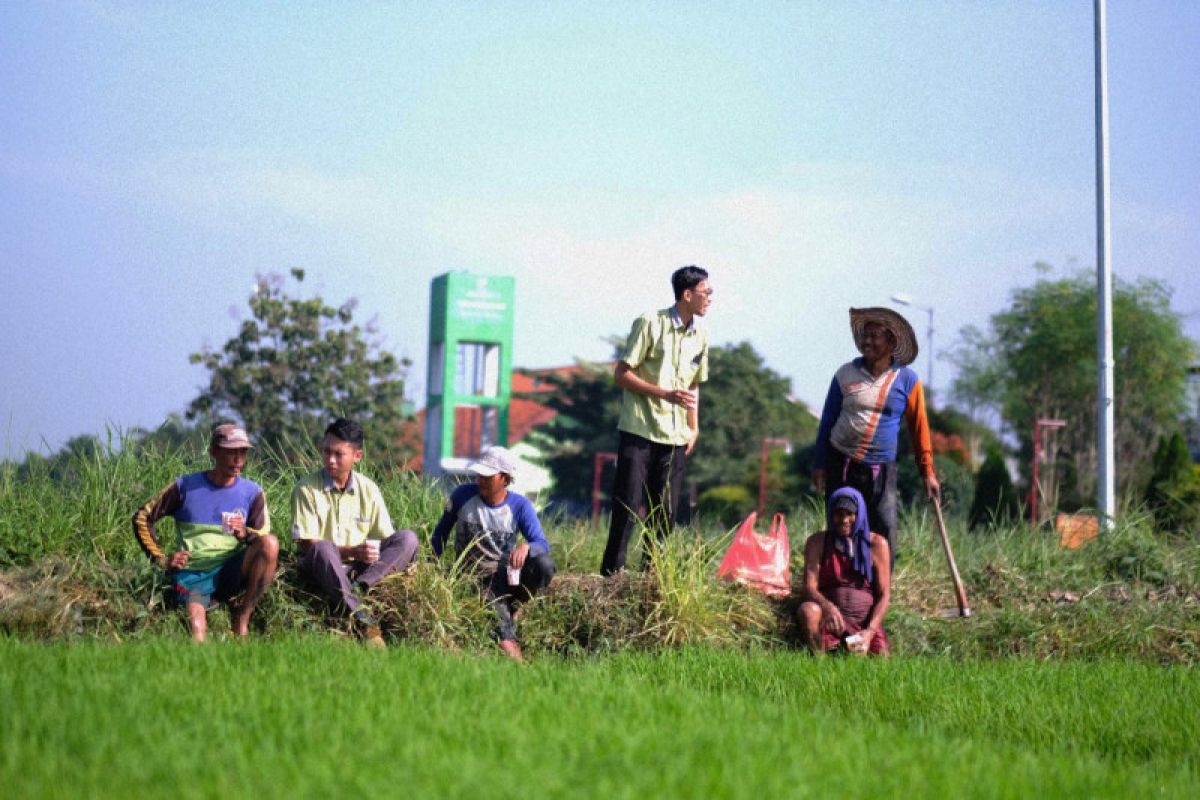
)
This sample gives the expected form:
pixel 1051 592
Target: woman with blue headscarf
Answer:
pixel 847 581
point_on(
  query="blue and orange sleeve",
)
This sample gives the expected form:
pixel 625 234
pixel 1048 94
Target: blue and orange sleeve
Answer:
pixel 829 415
pixel 918 429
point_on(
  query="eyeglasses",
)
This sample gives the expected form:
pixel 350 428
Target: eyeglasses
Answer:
pixel 705 292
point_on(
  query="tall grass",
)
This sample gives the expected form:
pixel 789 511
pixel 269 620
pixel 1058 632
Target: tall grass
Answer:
pixel 69 567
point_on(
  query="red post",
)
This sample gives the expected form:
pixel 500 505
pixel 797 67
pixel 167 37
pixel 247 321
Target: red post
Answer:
pixel 1033 480
pixel 598 463
pixel 1039 424
pixel 767 443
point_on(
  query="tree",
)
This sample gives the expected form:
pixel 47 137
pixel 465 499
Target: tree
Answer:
pixel 588 405
pixel 996 501
pixel 1039 360
pixel 296 364
pixel 742 402
pixel 1173 494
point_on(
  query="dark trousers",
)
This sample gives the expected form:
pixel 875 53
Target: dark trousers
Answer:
pixel 875 482
pixel 535 576
pixel 649 474
pixel 323 564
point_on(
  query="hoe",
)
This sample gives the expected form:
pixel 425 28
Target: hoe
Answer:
pixel 964 608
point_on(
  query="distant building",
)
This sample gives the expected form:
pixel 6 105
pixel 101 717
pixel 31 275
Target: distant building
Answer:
pixel 524 415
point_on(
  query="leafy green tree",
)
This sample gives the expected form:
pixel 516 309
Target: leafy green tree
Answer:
pixel 1038 359
pixel 742 402
pixel 294 365
pixel 62 466
pixel 588 405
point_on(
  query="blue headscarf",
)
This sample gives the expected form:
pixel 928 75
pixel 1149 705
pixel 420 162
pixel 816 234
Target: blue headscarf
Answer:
pixel 860 535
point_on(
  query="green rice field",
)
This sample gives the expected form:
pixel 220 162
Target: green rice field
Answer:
pixel 1075 677
pixel 318 716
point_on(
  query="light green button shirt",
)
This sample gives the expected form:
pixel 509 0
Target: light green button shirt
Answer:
pixel 345 517
pixel 662 351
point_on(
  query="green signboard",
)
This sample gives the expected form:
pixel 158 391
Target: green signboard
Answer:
pixel 469 380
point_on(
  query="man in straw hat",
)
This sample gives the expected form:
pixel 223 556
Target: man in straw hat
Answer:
pixel 860 425
pixel 223 545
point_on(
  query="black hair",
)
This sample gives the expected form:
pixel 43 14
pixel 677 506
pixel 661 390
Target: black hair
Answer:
pixel 688 277
pixel 347 430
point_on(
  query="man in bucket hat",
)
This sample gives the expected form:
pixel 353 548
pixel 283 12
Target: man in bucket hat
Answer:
pixel 223 544
pixel 860 424
pixel 487 518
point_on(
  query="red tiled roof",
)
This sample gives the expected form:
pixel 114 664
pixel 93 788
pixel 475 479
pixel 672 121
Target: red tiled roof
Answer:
pixel 523 414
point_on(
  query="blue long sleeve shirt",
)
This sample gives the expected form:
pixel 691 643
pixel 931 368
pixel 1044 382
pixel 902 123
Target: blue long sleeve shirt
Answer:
pixel 489 530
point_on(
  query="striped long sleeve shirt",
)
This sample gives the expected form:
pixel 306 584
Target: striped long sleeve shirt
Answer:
pixel 862 414
pixel 196 504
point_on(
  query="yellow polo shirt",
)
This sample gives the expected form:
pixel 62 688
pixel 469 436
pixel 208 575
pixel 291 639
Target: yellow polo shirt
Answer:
pixel 662 351
pixel 345 517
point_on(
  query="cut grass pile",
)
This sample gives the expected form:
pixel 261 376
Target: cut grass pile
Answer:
pixel 311 717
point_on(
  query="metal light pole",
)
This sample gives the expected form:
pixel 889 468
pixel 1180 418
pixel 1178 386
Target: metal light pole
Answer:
pixel 767 443
pixel 906 300
pixel 1105 423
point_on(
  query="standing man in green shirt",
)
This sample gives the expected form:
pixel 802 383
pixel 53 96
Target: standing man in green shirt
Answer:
pixel 347 541
pixel 661 368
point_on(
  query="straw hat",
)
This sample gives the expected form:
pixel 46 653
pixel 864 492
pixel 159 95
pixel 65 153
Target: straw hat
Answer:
pixel 906 341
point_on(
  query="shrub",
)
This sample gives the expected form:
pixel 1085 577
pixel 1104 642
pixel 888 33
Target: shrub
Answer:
pixel 996 501
pixel 1173 495
pixel 727 503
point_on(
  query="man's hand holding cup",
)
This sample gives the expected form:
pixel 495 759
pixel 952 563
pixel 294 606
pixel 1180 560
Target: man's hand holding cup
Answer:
pixel 369 551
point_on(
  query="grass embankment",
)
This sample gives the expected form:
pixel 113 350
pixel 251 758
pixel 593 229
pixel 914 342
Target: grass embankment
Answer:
pixel 69 568
pixel 313 718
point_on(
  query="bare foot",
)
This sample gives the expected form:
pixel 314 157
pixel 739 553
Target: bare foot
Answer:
pixel 511 649
pixel 239 621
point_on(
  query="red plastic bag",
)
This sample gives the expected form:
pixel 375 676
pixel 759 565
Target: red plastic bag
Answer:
pixel 764 562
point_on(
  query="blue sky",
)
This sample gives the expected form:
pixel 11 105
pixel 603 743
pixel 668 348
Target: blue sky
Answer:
pixel 155 157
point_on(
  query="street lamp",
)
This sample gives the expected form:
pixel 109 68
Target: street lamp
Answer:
pixel 767 443
pixel 906 300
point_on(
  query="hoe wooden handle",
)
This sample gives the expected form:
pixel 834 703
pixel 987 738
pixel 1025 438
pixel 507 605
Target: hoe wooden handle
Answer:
pixel 964 608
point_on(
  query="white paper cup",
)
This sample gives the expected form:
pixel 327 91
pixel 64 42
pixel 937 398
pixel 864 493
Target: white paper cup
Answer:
pixel 372 549
pixel 514 576
pixel 227 518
